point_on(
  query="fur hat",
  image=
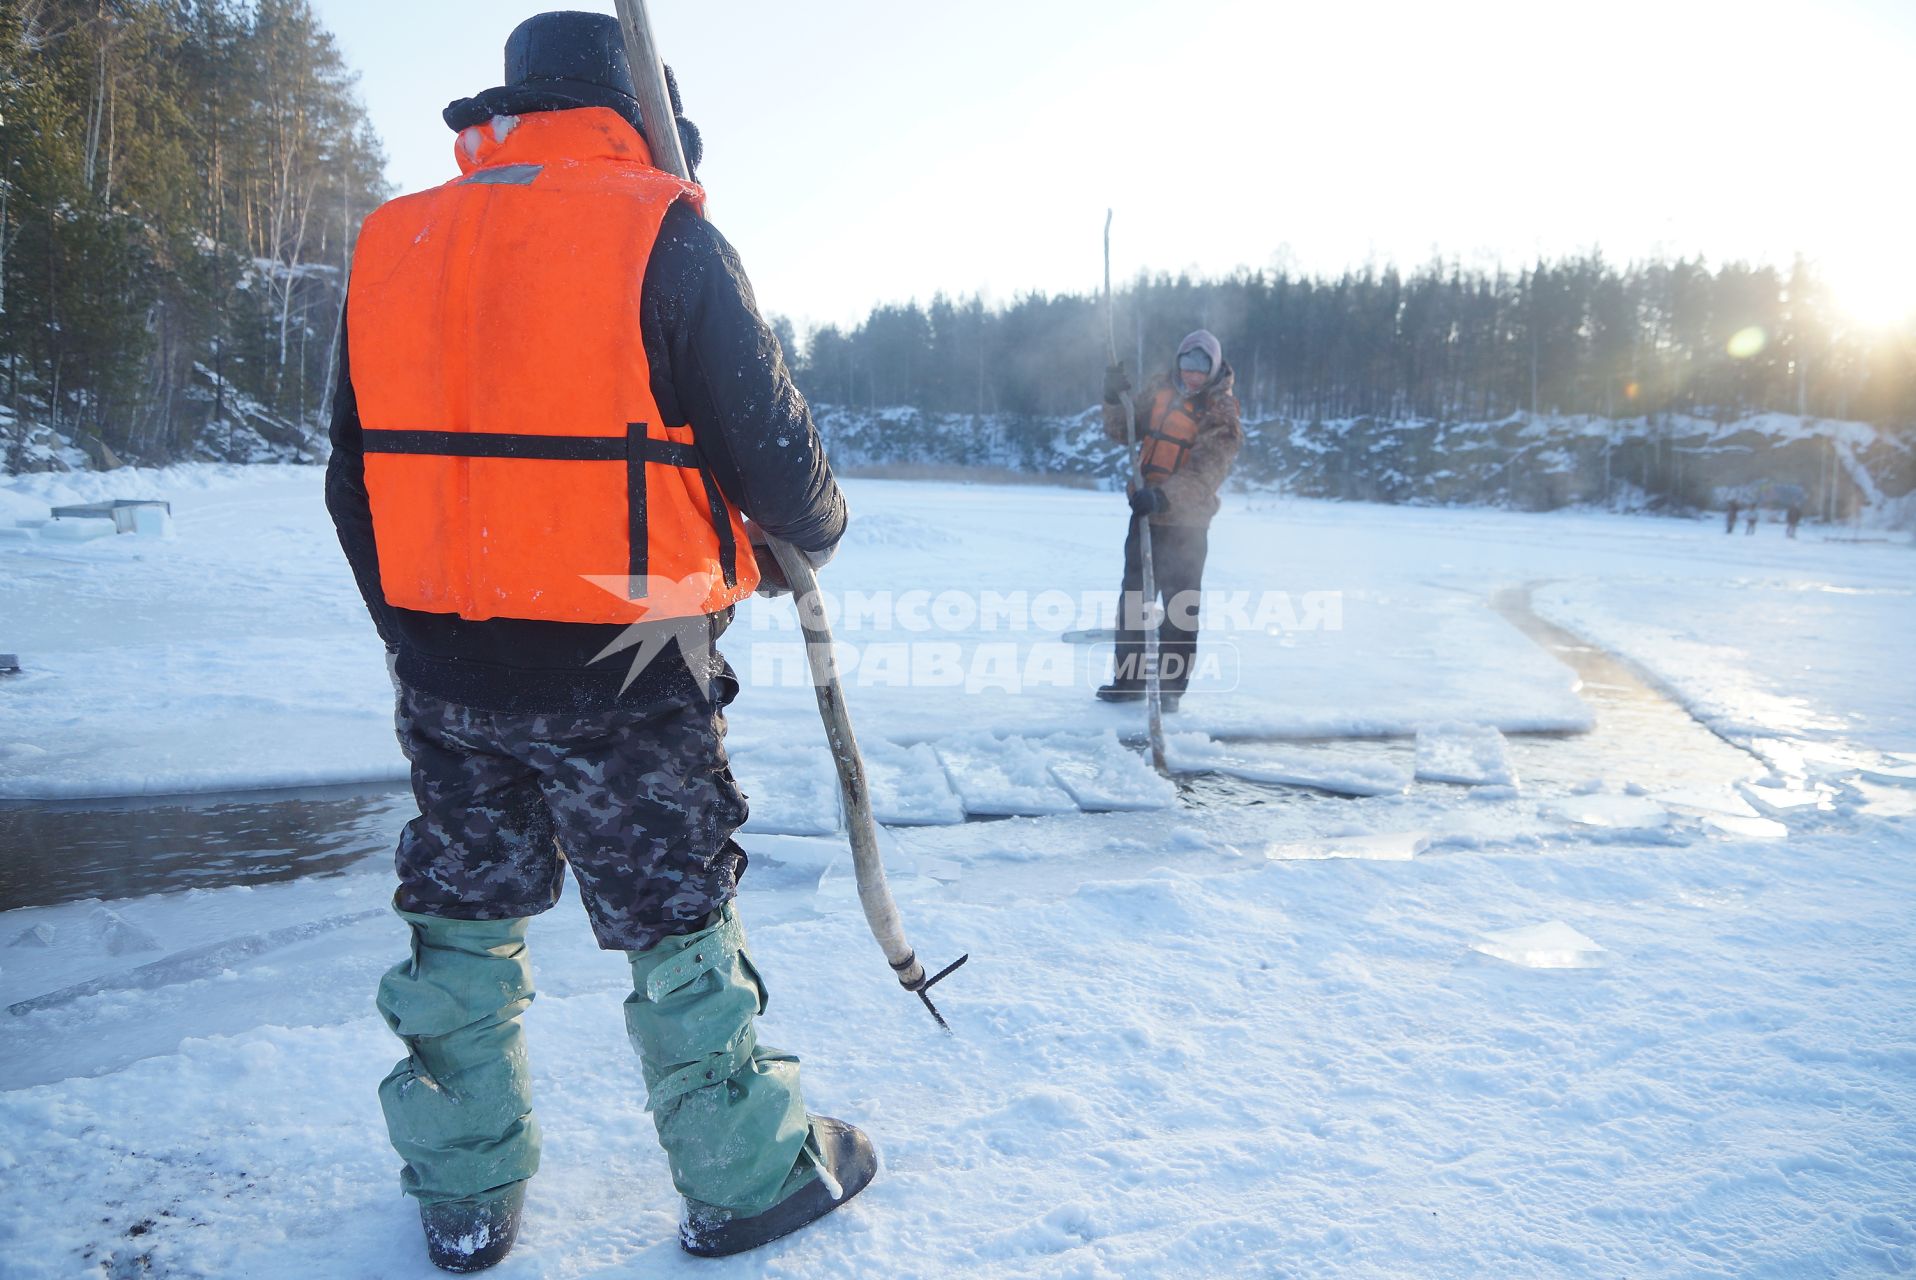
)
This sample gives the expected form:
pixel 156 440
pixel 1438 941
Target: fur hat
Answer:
pixel 557 61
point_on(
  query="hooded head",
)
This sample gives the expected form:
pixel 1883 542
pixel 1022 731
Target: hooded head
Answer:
pixel 557 61
pixel 1211 366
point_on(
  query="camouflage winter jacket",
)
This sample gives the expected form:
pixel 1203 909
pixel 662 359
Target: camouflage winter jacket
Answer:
pixel 1193 488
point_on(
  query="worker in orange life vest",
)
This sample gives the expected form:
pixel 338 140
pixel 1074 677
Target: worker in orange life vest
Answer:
pixel 1188 437
pixel 557 408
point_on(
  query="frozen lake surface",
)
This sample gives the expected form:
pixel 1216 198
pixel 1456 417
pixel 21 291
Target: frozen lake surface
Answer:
pixel 1608 970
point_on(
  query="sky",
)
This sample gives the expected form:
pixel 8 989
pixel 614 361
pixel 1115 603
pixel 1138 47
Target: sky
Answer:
pixel 860 151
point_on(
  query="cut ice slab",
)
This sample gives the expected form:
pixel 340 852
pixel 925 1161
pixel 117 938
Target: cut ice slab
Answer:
pixel 117 934
pixel 909 787
pixel 838 889
pixel 908 876
pixel 1472 755
pixel 35 935
pixel 1751 828
pixel 1003 777
pixel 1623 813
pixel 1819 761
pixel 793 790
pixel 1294 766
pixel 76 530
pixel 1725 810
pixel 813 856
pixel 1389 846
pixel 1706 800
pixel 195 963
pixel 807 854
pixel 1105 776
pixel 1554 945
pixel 1774 800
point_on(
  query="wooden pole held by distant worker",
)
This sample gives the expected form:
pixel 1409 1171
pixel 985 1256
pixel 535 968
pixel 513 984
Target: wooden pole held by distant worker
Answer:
pixel 1148 587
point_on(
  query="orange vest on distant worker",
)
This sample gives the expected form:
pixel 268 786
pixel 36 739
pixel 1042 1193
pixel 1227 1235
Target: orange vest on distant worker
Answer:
pixel 515 458
pixel 1170 430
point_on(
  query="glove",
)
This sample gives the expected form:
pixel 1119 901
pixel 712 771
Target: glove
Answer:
pixel 1149 501
pixel 1115 384
pixel 392 672
pixel 771 574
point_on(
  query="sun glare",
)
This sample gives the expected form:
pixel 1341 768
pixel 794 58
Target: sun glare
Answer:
pixel 1877 294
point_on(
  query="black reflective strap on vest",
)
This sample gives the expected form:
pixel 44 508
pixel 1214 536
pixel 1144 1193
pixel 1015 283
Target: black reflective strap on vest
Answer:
pixel 722 524
pixel 487 444
pixel 634 448
pixel 1157 437
pixel 672 454
pixel 637 539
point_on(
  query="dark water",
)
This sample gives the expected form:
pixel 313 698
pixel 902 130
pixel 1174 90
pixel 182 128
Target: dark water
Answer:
pixel 54 852
pixel 1640 731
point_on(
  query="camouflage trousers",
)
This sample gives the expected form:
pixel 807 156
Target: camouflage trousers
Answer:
pixel 641 803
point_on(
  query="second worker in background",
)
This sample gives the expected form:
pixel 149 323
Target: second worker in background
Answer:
pixel 1188 438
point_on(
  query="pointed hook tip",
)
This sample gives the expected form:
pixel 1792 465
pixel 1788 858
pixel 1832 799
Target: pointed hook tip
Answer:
pixel 923 990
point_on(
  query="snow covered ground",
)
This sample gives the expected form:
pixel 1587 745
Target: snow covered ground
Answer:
pixel 238 654
pixel 1633 1002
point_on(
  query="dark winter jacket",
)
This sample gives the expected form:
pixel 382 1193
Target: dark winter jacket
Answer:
pixel 1191 491
pixel 716 366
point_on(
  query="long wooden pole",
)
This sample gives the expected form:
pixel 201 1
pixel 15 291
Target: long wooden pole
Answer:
pixel 874 892
pixel 648 80
pixel 1153 697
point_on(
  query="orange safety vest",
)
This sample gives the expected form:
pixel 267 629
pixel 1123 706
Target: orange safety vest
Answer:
pixel 516 462
pixel 1168 437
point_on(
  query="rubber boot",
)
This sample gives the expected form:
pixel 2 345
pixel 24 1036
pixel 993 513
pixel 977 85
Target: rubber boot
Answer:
pixel 459 1105
pixel 842 1163
pixel 471 1235
pixel 729 1112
